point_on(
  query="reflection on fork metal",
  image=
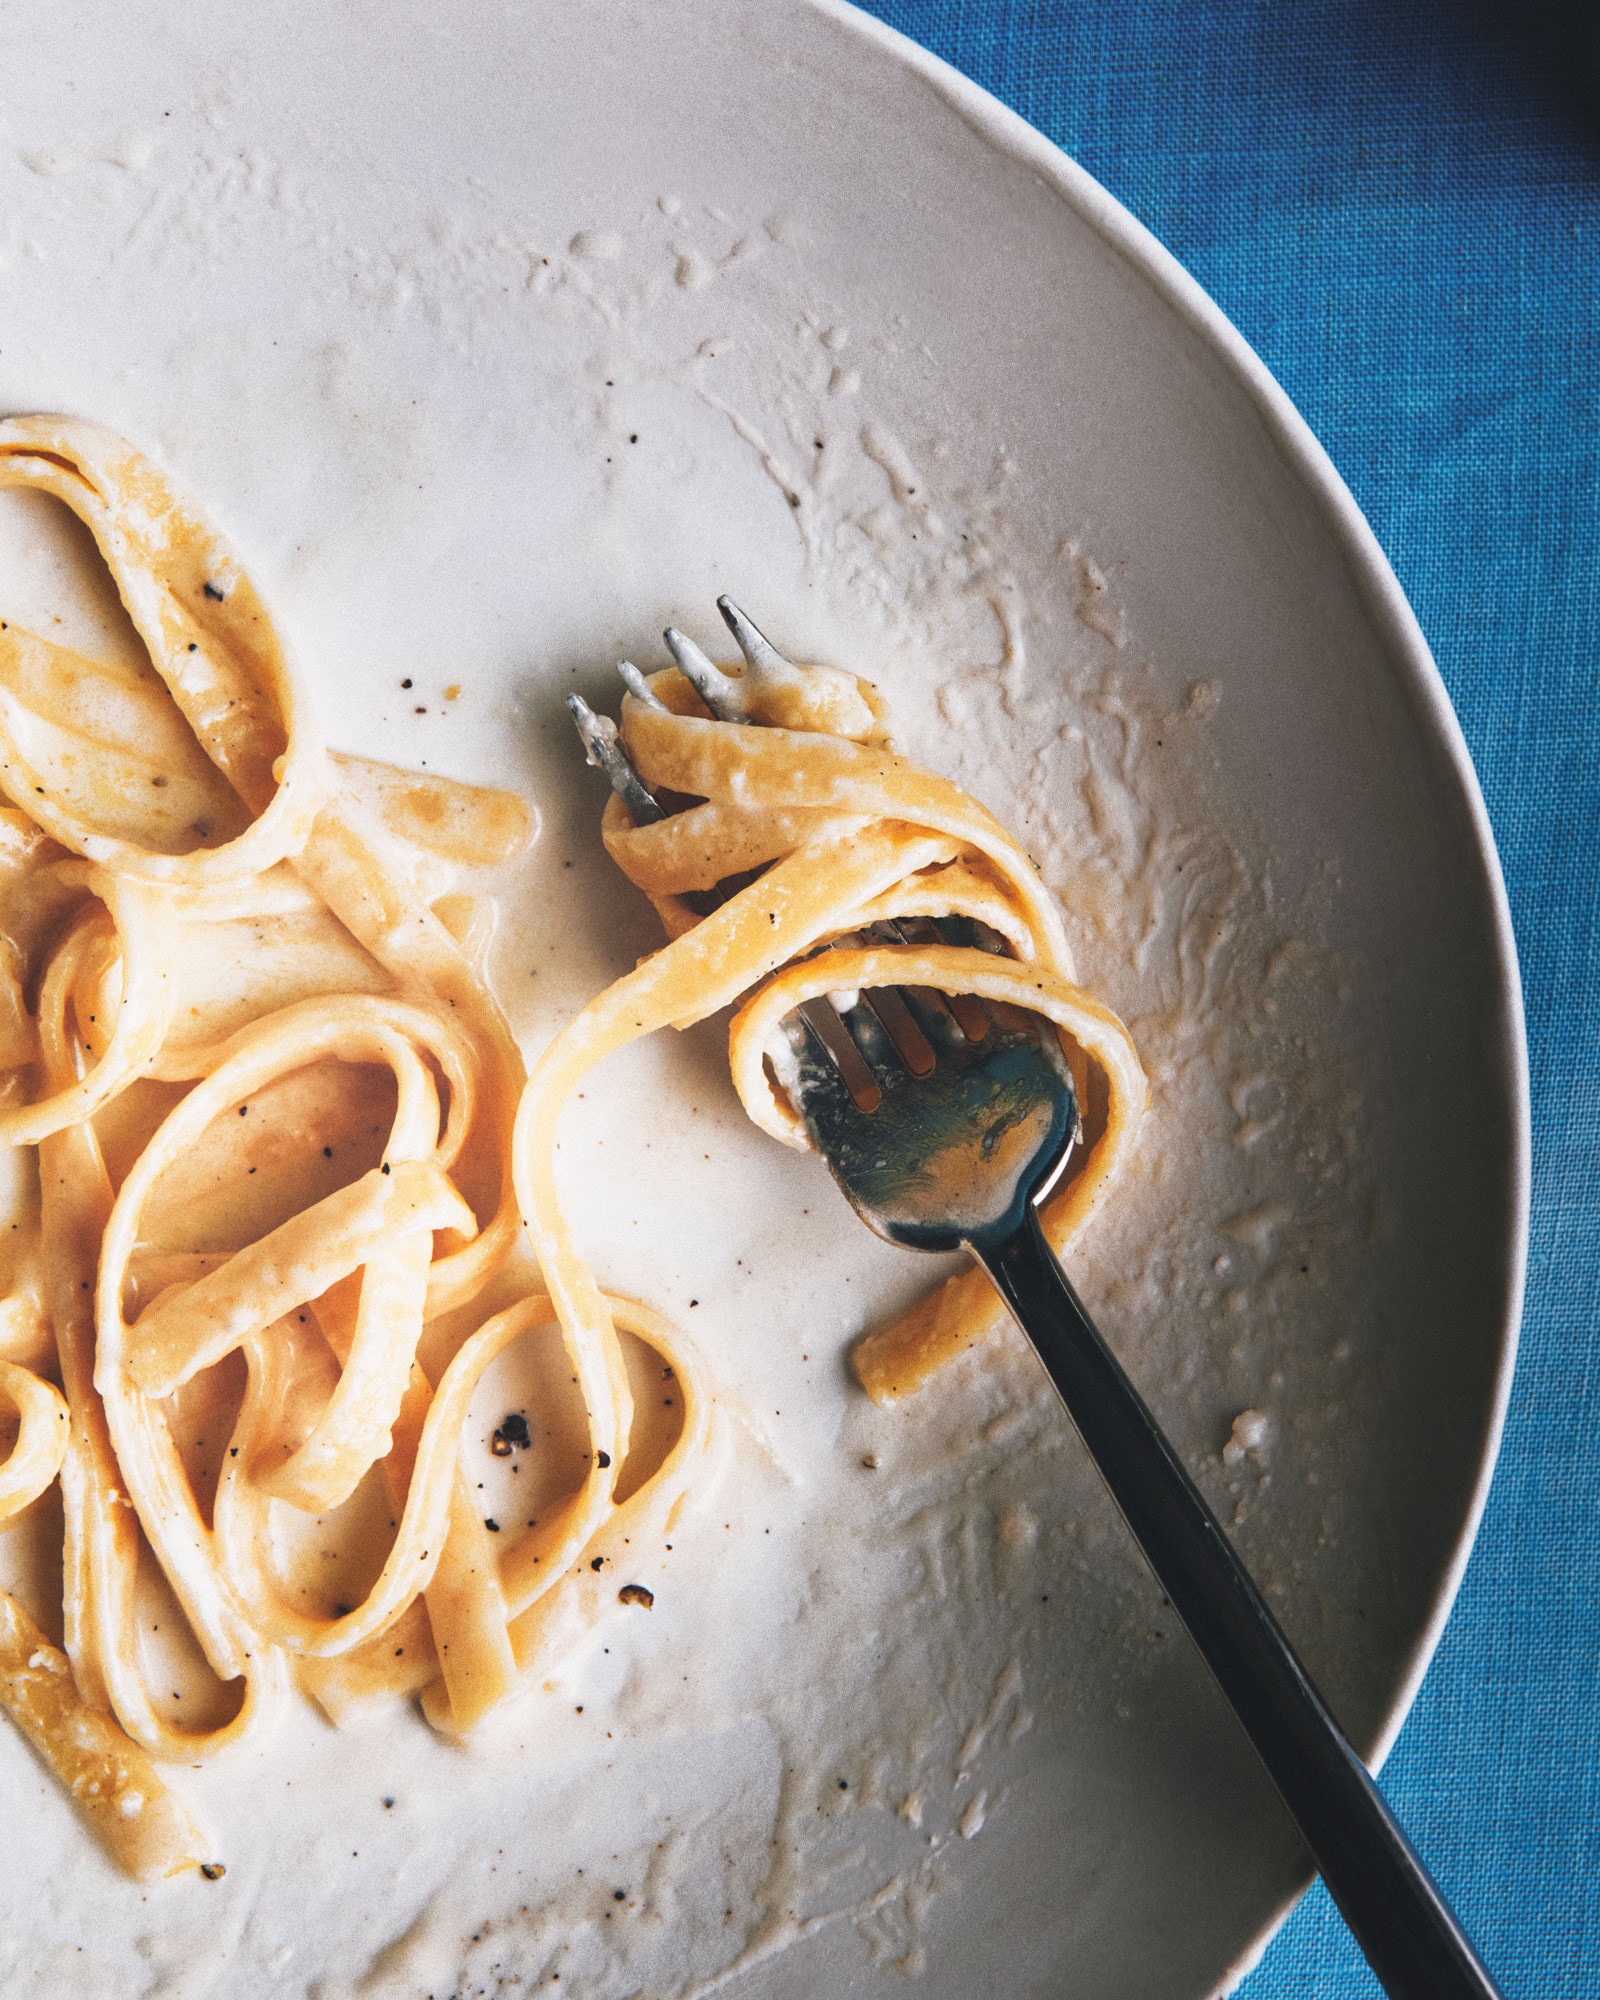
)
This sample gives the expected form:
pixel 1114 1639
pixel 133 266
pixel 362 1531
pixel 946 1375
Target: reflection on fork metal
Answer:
pixel 955 1155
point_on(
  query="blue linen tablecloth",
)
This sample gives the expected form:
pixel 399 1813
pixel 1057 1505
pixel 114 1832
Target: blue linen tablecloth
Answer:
pixel 1396 203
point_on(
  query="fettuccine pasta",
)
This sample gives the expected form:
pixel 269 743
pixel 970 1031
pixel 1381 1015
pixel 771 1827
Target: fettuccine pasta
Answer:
pixel 244 1022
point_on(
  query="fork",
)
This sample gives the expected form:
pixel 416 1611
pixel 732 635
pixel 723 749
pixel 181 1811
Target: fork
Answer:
pixel 959 1156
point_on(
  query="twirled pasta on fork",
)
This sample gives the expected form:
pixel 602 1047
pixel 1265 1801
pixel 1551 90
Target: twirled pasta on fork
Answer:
pixel 784 783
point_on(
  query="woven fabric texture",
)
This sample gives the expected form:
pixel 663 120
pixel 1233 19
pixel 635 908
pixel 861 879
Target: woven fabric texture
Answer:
pixel 1398 204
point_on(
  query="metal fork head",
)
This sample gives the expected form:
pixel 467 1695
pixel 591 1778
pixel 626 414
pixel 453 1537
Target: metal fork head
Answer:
pixel 941 1121
pixel 949 1158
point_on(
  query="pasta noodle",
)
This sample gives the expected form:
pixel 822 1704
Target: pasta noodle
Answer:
pixel 111 1780
pixel 245 1023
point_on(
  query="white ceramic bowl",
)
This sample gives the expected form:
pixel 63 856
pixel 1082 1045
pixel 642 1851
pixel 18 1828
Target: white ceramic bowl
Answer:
pixel 499 336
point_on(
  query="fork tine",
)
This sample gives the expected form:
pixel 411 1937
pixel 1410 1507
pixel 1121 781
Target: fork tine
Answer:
pixel 599 735
pixel 826 1027
pixel 715 689
pixel 761 656
pixel 939 1018
pixel 969 931
pixel 969 1013
pixel 902 1027
pixel 820 1076
pixel 916 1018
pixel 638 686
pixel 883 1012
pixel 873 1040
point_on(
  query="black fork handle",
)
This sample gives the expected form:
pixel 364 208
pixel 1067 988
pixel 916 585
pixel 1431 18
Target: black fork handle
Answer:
pixel 1411 1939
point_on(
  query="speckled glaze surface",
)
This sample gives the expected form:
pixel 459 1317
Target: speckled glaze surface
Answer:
pixel 498 337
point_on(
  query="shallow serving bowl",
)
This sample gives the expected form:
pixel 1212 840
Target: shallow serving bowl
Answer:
pixel 499 336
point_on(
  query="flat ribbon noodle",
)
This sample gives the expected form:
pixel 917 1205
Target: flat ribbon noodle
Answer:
pixel 208 637
pixel 350 864
pixel 41 1438
pixel 110 1779
pixel 107 964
